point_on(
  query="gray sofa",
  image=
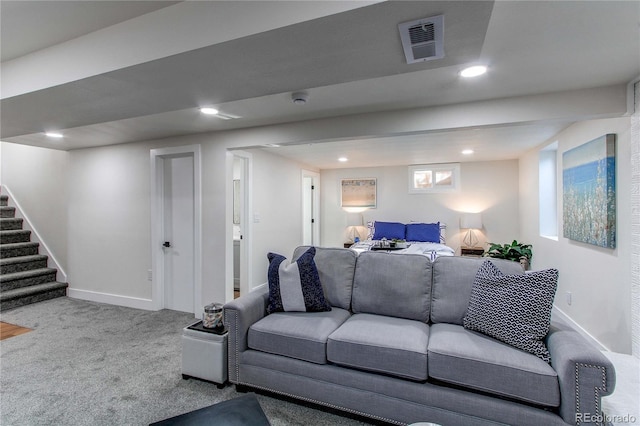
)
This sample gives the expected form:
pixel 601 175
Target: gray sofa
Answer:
pixel 393 348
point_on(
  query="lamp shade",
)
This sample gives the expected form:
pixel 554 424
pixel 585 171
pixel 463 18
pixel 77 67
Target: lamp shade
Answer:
pixel 471 221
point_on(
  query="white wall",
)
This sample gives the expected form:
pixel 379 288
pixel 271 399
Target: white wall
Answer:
pixel 277 200
pixel 37 177
pixel 488 187
pixel 599 279
pixel 109 221
pixel 109 218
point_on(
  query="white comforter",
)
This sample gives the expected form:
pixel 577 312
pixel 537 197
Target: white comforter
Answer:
pixel 432 250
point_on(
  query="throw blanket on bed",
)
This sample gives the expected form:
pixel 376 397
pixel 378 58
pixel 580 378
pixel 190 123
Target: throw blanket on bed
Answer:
pixel 432 250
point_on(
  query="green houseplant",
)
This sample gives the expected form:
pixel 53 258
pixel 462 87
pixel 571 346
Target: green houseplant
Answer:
pixel 515 251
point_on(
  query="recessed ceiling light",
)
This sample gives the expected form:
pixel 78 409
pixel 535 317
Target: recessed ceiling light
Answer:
pixel 473 71
pixel 55 135
pixel 209 111
pixel 343 159
pixel 467 152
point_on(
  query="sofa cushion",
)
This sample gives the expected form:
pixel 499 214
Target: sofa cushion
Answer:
pixel 397 285
pixel 453 278
pixel 473 360
pixel 296 334
pixel 387 345
pixel 515 309
pixel 336 267
pixel 295 287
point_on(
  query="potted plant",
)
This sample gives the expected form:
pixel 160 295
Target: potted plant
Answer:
pixel 515 251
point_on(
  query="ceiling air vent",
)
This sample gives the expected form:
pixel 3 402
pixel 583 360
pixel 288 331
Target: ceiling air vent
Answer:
pixel 422 40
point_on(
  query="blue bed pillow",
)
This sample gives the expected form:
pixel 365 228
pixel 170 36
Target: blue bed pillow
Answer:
pixel 295 287
pixel 427 232
pixel 388 230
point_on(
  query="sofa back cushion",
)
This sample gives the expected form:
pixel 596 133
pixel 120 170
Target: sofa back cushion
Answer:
pixel 336 267
pixel 453 278
pixel 396 285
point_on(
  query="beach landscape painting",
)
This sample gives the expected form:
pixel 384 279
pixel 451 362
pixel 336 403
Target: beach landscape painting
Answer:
pixel 589 192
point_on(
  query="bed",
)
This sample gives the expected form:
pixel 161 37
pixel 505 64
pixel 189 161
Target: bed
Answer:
pixel 427 239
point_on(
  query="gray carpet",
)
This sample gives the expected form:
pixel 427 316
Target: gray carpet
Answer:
pixel 87 363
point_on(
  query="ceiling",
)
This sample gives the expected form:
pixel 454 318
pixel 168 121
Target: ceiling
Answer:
pixel 175 56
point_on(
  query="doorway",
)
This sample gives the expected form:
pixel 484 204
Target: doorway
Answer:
pixel 176 238
pixel 242 230
pixel 310 208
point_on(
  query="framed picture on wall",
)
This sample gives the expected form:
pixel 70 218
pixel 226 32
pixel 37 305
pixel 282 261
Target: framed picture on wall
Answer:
pixel 358 193
pixel 589 192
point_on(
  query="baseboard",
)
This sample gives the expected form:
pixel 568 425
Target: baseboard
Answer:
pixel 558 314
pixel 111 299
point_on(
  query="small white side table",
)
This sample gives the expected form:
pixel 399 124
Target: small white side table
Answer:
pixel 204 354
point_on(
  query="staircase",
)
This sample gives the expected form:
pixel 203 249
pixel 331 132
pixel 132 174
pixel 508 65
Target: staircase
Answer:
pixel 24 276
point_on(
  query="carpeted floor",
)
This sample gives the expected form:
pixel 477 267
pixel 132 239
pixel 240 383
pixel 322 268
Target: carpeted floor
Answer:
pixel 86 363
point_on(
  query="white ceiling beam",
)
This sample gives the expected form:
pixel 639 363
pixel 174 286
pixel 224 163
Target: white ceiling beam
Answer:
pixel 175 29
pixel 600 102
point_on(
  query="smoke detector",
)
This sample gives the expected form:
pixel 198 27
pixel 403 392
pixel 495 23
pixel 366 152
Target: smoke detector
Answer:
pixel 423 39
pixel 299 98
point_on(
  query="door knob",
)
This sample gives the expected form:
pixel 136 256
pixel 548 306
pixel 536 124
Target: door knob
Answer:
pixel 166 244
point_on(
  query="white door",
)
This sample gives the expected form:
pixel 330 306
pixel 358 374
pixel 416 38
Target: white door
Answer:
pixel 178 244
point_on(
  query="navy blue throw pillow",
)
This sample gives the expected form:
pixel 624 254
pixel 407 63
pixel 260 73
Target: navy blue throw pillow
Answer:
pixel 513 308
pixel 295 287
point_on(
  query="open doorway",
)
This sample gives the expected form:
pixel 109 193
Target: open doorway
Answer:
pixel 241 183
pixel 310 208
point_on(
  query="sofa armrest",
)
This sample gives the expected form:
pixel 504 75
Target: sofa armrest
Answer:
pixel 585 376
pixel 239 315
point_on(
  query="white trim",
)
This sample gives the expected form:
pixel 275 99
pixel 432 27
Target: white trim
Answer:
pixel 157 219
pixel 631 96
pixel 111 299
pixel 246 224
pixel 28 225
pixel 560 316
pixel 315 214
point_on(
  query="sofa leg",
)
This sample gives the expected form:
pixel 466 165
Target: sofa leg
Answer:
pixel 242 389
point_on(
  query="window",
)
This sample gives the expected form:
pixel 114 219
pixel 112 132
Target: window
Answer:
pixel 547 191
pixel 434 178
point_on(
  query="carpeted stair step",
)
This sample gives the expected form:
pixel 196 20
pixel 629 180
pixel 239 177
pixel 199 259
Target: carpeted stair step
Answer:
pixel 4 200
pixel 18 249
pixel 27 278
pixel 15 236
pixel 6 211
pixel 36 293
pixel 9 223
pixel 22 263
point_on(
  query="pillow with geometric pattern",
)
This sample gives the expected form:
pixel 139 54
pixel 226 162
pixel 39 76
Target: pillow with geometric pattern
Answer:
pixel 515 309
pixel 295 286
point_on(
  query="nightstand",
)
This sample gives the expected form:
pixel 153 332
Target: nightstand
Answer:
pixel 471 251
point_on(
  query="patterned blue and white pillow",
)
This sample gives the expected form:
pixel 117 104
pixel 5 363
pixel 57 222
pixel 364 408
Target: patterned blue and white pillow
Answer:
pixel 515 309
pixel 295 287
